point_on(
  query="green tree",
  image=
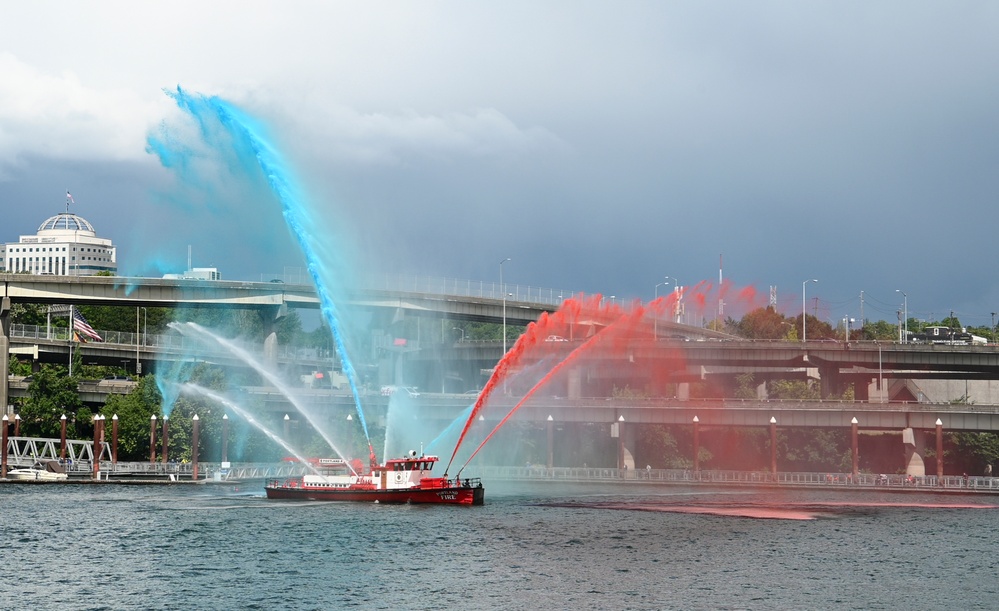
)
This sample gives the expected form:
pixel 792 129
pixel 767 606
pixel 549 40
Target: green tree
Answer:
pixel 879 330
pixel 792 390
pixel 17 368
pixel 134 412
pixel 815 328
pixel 51 394
pixel 814 450
pixel 974 453
pixel 28 314
pixel 746 388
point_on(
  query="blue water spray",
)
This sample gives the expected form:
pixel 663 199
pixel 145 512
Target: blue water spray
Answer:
pixel 248 141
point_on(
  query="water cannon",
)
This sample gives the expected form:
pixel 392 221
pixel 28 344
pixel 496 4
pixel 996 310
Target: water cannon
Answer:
pixel 372 459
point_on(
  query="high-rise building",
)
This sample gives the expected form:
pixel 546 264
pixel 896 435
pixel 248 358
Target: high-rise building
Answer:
pixel 65 245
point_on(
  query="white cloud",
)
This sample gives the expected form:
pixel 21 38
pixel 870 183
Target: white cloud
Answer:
pixel 58 116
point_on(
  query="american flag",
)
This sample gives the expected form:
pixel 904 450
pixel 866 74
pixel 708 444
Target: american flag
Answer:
pixel 81 326
pixel 69 198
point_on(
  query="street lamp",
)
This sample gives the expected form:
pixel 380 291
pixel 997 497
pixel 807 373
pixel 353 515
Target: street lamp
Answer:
pixel 905 316
pixel 503 290
pixel 803 308
pixel 462 332
pixel 846 323
pixel 655 323
pixel 676 298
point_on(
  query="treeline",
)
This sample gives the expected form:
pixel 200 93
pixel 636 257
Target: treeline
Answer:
pixel 768 323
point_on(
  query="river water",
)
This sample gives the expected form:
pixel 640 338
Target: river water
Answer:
pixel 568 546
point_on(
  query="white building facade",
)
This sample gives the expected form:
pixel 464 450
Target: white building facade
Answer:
pixel 65 245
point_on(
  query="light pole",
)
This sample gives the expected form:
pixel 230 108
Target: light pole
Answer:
pixel 993 327
pixel 462 333
pixel 803 306
pixel 138 367
pixel 846 323
pixel 503 290
pixel 905 315
pixel 676 299
pixel 655 323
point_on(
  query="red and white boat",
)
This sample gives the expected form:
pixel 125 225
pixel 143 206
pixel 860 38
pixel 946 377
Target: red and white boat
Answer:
pixel 399 480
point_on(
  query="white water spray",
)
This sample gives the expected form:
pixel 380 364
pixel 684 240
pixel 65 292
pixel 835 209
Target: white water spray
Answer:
pixel 202 334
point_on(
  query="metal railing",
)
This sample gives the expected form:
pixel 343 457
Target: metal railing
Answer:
pixel 171 341
pixel 688 476
pixel 436 285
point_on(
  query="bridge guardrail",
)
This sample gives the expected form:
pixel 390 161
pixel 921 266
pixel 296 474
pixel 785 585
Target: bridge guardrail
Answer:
pixel 688 476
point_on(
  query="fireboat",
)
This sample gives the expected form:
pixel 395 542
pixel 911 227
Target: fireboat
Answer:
pixel 398 480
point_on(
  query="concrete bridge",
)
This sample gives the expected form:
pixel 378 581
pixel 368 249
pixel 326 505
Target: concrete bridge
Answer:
pixel 703 356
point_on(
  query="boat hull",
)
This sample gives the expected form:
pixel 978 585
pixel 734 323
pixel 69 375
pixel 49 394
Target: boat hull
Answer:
pixel 430 496
pixel 37 475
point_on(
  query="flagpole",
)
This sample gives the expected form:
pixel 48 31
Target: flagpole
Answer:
pixel 70 332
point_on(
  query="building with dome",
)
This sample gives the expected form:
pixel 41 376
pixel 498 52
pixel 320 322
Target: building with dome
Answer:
pixel 65 245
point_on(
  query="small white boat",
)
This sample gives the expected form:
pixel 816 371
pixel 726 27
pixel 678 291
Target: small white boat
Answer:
pixel 49 471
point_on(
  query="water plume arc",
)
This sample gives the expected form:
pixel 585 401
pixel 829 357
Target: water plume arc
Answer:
pixel 621 330
pixel 192 388
pixel 248 140
pixel 202 334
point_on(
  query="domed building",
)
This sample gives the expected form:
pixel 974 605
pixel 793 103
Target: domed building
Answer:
pixel 65 245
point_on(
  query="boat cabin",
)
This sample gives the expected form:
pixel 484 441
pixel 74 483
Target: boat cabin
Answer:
pixel 411 463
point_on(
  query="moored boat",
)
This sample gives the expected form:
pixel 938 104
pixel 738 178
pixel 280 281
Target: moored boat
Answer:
pixel 399 480
pixel 48 471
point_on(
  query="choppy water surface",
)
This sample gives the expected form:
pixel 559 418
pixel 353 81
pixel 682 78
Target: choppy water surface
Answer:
pixel 562 547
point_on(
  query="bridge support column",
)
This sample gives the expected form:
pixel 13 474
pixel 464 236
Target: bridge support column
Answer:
pixel 915 448
pixel 830 382
pixel 270 317
pixel 625 442
pixel 575 384
pixel 4 352
pixel 861 389
pixel 683 391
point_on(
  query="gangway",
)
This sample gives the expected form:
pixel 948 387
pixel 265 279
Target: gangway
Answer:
pixel 26 451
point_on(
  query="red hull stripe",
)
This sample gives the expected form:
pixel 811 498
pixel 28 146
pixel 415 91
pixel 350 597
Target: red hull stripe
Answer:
pixel 438 496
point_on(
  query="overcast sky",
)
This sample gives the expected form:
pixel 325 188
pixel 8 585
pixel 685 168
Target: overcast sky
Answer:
pixel 600 145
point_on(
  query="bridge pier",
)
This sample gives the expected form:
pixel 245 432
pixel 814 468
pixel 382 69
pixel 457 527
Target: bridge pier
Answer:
pixel 625 434
pixel 575 383
pixel 861 389
pixel 914 443
pixel 270 317
pixel 830 382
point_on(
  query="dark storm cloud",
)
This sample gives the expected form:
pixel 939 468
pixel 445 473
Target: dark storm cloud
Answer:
pixel 600 147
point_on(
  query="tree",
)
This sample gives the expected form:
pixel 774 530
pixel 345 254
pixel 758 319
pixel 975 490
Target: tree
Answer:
pixel 746 389
pixel 764 323
pixel 134 412
pixel 879 330
pixel 815 328
pixel 51 394
pixel 974 452
pixel 792 390
pixel 28 314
